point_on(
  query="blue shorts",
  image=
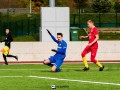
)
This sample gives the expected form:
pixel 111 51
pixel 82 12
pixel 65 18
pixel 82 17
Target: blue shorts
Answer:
pixel 57 60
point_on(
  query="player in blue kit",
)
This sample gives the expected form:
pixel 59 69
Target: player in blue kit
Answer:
pixel 60 55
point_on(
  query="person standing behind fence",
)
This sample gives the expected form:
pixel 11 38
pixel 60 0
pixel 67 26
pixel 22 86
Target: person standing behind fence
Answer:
pixel 7 46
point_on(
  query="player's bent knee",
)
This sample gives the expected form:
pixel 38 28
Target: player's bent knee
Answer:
pixel 46 61
pixel 82 54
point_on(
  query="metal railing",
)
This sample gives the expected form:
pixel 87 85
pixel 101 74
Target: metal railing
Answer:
pixel 20 25
pixel 100 19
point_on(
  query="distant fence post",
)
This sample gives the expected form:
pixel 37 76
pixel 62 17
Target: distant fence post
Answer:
pixel 10 27
pixel 116 13
pixel 22 26
pixel 35 26
pixel 15 28
pixel 79 20
pixel 74 17
pixel 116 19
pixel 0 27
pixel 7 18
pixel 28 26
pixel 99 20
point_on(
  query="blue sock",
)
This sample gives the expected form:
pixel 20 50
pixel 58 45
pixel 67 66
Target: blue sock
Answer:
pixel 58 70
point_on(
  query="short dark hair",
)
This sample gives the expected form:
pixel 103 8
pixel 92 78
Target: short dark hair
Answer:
pixel 60 34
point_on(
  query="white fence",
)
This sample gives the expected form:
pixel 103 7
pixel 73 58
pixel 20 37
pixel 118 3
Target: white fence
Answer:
pixel 37 51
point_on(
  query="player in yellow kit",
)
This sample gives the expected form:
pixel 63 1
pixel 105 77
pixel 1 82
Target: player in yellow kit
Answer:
pixel 7 46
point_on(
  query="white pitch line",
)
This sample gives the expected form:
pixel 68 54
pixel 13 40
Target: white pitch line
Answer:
pixel 71 80
pixel 61 79
pixel 12 76
pixel 20 69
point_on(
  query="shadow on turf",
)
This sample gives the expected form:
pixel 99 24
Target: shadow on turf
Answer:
pixel 64 70
pixel 106 69
pixel 78 70
pixel 46 71
pixel 112 69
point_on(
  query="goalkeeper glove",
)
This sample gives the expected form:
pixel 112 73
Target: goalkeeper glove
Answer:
pixel 49 32
pixel 54 50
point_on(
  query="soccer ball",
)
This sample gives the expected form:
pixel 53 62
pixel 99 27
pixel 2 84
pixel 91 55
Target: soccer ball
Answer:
pixel 53 86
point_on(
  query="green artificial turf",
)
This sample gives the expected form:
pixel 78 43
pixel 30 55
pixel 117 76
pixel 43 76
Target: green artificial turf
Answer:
pixel 21 77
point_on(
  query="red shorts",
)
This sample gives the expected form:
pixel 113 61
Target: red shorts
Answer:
pixel 93 50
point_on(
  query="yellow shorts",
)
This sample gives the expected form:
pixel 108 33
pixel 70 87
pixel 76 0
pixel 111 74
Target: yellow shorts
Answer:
pixel 5 50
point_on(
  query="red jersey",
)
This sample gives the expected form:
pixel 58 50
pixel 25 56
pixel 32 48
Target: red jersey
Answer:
pixel 92 34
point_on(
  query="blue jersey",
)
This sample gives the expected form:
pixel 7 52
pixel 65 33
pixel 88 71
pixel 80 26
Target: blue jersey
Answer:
pixel 62 46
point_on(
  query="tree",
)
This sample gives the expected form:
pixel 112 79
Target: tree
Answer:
pixel 81 3
pixel 10 4
pixel 101 6
pixel 25 3
pixel 38 3
pixel 117 6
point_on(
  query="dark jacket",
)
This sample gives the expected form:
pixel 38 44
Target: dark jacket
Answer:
pixel 8 40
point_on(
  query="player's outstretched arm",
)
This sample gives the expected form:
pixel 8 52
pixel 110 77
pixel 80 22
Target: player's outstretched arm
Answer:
pixel 54 39
pixel 49 32
pixel 3 41
pixel 83 37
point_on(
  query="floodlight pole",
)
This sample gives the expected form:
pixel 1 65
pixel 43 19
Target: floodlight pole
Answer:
pixel 52 3
pixel 30 7
pixel 8 14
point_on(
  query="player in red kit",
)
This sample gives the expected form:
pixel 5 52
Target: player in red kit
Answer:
pixel 92 46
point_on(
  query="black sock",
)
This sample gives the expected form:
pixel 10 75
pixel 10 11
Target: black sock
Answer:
pixel 5 59
pixel 11 56
pixel 50 64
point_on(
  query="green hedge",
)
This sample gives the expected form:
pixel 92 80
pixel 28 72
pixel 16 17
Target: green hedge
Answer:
pixel 27 38
pixel 20 24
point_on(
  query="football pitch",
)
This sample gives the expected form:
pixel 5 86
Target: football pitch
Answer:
pixel 39 77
